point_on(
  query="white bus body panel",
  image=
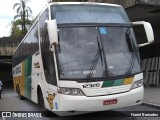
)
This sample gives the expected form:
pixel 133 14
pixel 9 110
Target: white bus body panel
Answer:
pixel 90 104
pixel 94 102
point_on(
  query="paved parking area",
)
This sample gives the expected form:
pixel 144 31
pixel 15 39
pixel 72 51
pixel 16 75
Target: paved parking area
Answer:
pixel 11 102
pixel 152 95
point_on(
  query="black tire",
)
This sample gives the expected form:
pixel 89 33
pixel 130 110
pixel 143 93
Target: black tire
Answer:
pixel 41 104
pixel 0 94
pixel 19 94
pixel 41 100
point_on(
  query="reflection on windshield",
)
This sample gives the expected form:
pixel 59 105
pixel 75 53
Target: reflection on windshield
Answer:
pixel 80 52
pixel 88 14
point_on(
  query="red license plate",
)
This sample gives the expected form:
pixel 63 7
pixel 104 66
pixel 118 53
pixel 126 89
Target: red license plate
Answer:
pixel 110 102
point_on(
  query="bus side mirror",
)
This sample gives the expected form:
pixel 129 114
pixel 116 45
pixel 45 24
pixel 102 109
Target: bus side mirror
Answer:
pixel 52 32
pixel 144 31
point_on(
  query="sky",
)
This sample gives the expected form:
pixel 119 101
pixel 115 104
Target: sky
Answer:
pixel 7 13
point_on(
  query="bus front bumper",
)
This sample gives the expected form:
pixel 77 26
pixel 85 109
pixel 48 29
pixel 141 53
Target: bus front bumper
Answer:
pixel 72 104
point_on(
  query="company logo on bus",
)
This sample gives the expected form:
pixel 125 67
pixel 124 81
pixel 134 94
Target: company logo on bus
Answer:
pixel 91 85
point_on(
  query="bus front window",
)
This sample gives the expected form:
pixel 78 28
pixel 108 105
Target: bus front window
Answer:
pixel 96 52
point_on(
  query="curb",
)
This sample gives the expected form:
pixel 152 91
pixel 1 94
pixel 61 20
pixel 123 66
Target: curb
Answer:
pixel 151 105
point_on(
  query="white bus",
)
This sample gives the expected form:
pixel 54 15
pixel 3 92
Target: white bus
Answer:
pixel 80 57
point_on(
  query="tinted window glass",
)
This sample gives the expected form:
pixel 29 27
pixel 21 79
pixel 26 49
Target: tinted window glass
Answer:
pixel 28 47
pixel 97 52
pixel 34 39
pixel 88 14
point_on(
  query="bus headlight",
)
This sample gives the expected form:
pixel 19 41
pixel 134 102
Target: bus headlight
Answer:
pixel 71 91
pixel 137 84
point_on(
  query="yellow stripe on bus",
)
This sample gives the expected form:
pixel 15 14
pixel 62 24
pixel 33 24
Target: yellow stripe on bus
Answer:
pixel 128 81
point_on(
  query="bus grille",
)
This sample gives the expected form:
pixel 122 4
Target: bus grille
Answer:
pixel 107 91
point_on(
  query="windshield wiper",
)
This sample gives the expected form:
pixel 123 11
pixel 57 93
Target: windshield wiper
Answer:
pixel 95 60
pixel 101 50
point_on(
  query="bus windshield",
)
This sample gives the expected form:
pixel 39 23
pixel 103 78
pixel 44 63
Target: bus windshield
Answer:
pixel 97 52
pixel 66 14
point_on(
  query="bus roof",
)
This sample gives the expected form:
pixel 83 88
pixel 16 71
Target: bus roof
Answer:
pixel 83 3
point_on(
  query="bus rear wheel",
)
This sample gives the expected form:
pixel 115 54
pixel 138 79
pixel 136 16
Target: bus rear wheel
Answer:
pixel 19 94
pixel 0 94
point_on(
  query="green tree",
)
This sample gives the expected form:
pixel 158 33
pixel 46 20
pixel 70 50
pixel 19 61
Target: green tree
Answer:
pixel 23 12
pixel 15 30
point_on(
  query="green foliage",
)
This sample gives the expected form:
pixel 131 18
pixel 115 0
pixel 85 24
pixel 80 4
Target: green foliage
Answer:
pixel 15 30
pixel 21 22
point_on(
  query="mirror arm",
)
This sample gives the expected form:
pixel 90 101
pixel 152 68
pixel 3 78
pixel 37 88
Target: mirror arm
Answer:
pixel 52 46
pixel 141 45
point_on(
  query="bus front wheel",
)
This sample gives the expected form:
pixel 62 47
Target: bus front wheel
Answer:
pixel 41 100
